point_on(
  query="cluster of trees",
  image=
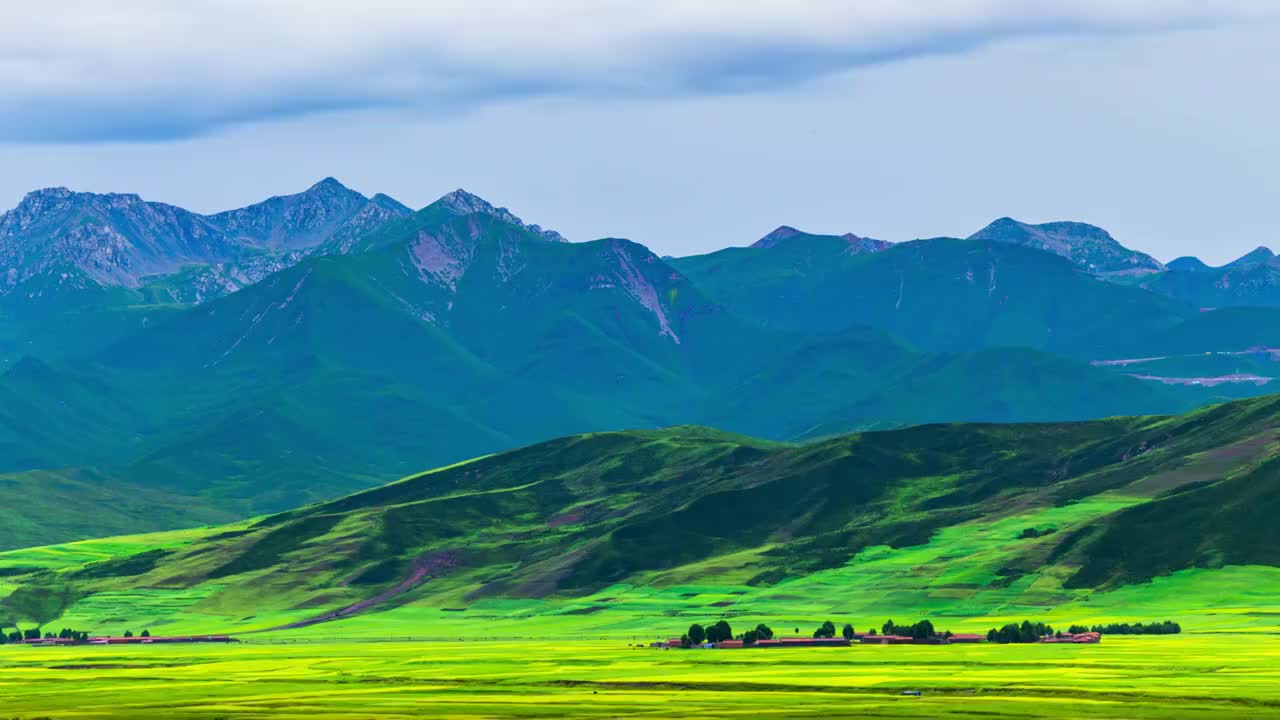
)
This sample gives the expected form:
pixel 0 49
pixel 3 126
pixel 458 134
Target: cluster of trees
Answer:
pixel 922 630
pixel 69 634
pixel 761 632
pixel 712 633
pixel 1027 632
pixel 1168 627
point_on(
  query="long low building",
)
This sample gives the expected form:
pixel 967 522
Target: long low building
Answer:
pixel 1077 638
pixel 802 642
pixel 908 640
pixel 162 639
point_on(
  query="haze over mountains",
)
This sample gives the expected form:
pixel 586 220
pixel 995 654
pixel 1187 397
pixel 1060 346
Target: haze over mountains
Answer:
pixel 168 367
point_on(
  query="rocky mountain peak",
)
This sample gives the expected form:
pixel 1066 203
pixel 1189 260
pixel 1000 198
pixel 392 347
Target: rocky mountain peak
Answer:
pixel 782 232
pixel 461 202
pixel 291 222
pixel 1088 246
pixel 465 203
pixel 852 244
pixel 46 195
pixel 1258 256
pixel 329 184
pixel 389 203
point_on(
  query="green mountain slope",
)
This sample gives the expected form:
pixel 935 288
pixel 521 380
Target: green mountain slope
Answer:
pixel 378 341
pixel 940 295
pixel 344 371
pixel 629 524
pixel 1223 330
pixel 456 332
pixel 40 507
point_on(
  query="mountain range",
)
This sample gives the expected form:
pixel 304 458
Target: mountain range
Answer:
pixel 167 368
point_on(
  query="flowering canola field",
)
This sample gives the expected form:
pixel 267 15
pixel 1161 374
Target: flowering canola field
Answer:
pixel 1187 676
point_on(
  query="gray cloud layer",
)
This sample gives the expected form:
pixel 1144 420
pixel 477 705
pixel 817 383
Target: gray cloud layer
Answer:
pixel 88 71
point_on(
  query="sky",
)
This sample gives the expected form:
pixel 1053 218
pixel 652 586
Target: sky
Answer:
pixel 686 126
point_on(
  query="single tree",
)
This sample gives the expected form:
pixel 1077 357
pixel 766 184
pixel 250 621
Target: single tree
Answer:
pixel 146 633
pixel 697 634
pixel 847 632
pixel 128 633
pixel 764 632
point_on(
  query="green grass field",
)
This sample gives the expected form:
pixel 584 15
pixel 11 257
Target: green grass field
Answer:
pixel 1188 676
pixel 516 584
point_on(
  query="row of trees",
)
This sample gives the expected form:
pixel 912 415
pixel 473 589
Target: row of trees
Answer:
pixel 1027 632
pixel 922 630
pixel 1168 627
pixel 721 631
pixel 18 635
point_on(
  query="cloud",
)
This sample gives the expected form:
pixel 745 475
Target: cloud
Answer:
pixel 89 71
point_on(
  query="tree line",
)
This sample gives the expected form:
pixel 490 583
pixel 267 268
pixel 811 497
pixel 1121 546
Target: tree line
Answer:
pixel 1168 627
pixel 922 630
pixel 721 631
pixel 19 635
pixel 1029 632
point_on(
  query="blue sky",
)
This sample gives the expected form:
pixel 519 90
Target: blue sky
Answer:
pixel 687 126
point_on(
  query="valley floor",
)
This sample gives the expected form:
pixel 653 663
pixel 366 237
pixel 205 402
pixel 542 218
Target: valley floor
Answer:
pixel 1187 676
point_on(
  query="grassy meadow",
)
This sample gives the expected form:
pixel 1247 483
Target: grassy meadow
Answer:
pixel 1188 676
pixel 524 584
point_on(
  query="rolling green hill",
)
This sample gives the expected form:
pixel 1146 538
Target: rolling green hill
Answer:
pixel 638 530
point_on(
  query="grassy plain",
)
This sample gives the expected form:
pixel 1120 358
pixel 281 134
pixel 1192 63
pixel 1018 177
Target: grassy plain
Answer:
pixel 1188 676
